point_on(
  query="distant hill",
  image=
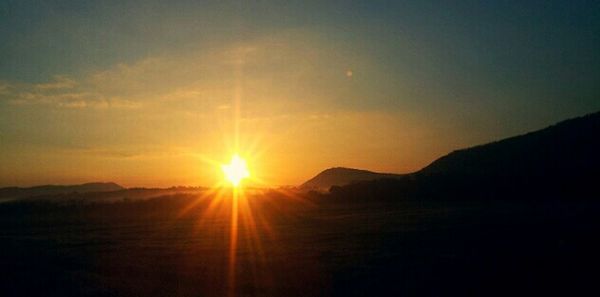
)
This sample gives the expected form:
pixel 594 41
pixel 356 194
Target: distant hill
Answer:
pixel 10 193
pixel 568 147
pixel 561 161
pixel 340 176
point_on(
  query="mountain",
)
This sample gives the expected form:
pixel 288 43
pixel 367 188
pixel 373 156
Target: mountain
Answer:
pixel 10 193
pixel 340 176
pixel 558 162
pixel 567 147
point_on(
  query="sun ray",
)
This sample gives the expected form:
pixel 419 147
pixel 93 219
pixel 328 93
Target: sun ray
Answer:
pixel 233 237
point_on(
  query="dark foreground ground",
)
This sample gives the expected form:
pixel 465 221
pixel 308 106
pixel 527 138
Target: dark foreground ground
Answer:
pixel 180 246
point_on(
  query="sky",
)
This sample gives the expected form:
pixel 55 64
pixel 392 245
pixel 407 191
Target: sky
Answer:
pixel 159 93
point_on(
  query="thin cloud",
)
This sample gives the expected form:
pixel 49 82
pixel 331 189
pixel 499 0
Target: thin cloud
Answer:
pixel 128 153
pixel 33 95
pixel 4 88
pixel 60 82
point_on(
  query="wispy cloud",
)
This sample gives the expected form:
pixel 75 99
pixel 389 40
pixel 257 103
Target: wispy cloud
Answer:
pixel 127 152
pixel 4 88
pixel 269 75
pixel 70 100
pixel 60 82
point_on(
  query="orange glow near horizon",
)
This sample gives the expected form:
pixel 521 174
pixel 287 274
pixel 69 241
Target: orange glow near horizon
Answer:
pixel 233 100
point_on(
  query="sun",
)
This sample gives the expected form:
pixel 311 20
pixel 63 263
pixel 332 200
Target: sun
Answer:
pixel 236 170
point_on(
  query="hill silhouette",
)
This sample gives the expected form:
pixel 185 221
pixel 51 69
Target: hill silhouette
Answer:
pixel 9 193
pixel 571 145
pixel 339 176
pixel 560 161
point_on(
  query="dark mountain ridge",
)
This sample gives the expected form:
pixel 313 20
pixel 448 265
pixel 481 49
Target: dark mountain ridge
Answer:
pixel 339 176
pixel 560 161
pixel 571 145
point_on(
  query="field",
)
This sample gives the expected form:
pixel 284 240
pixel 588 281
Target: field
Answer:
pixel 293 245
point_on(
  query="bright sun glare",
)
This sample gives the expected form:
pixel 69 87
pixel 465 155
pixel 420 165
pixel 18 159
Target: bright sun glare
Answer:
pixel 236 170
